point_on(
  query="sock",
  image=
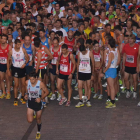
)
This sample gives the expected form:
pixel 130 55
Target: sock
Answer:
pixel 81 101
pixel 112 101
pixel 39 127
pixel 15 99
pixel 88 100
pixel 22 97
pixel 116 96
pixel 109 97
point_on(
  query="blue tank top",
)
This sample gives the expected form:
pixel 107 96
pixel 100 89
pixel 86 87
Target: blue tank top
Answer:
pixel 29 52
pixel 34 92
pixel 137 40
pixel 45 43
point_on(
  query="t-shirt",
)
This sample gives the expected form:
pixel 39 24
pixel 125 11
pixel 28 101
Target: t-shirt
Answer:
pixel 61 14
pixel 49 9
pixel 6 23
pixel 61 29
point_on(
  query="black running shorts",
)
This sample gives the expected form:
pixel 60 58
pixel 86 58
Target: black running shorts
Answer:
pixel 18 72
pixel 84 76
pixel 3 67
pixel 64 77
pixel 41 73
pixel 130 70
pixel 53 70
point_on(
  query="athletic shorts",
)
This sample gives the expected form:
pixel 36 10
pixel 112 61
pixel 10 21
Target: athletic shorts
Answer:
pixel 111 72
pixel 130 70
pixel 64 77
pixel 41 73
pixel 18 72
pixel 118 69
pixel 29 69
pixel 53 70
pixel 3 67
pixel 84 76
pixel 34 105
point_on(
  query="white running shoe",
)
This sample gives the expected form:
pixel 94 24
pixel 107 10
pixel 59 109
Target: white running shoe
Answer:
pixel 0 92
pixel 95 96
pixel 100 97
pixel 128 94
pixel 134 95
pixel 46 100
pixel 76 97
pixel 105 84
pixel 19 95
pixel 138 104
pixel 59 97
pixel 76 86
pixel 85 99
pixel 53 97
pixel 88 104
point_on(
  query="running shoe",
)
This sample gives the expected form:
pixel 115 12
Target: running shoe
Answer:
pixel 63 100
pixel 50 95
pixel 0 92
pixel 23 102
pixel 131 89
pixel 53 97
pixel 110 105
pixel 59 97
pixel 68 103
pixel 100 97
pixel 48 85
pixel 76 86
pixel 128 94
pixel 19 95
pixel 76 97
pixel 118 94
pixel 120 82
pixel 3 96
pixel 38 135
pixel 108 101
pixel 139 83
pixel 95 96
pixel 105 84
pixel 123 90
pixel 88 104
pixel 44 104
pixel 134 95
pixel 85 99
pixel 116 99
pixel 80 104
pixel 34 115
pixel 46 100
pixel 8 96
pixel 15 103
pixel 138 104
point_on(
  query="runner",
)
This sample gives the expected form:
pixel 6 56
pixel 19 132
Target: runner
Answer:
pixel 85 71
pixel 4 51
pixel 19 60
pixel 34 99
pixel 67 67
pixel 131 54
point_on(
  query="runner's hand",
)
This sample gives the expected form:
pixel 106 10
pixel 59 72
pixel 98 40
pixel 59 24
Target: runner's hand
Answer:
pixel 57 72
pixel 26 97
pixel 50 66
pixel 70 76
pixel 23 66
pixel 92 77
pixel 38 100
pixel 31 63
pixel 9 73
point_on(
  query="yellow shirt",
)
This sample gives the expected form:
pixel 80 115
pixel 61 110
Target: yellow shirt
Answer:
pixel 138 18
pixel 87 31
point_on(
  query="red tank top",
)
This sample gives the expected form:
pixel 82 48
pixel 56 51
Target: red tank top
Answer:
pixel 55 55
pixel 70 44
pixel 65 65
pixel 4 54
pixel 131 55
pixel 43 62
pixel 97 56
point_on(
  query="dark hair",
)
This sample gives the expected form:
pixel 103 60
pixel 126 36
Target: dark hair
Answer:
pixel 92 11
pixel 32 74
pixel 56 38
pixel 32 5
pixel 22 29
pixel 37 42
pixel 126 35
pixel 0 20
pixel 10 28
pixel 107 25
pixel 41 25
pixel 118 27
pixel 51 32
pixel 89 41
pixel 49 14
pixel 5 13
pixel 42 30
pixel 77 33
pixel 39 8
pixel 33 25
pixel 64 46
pixel 111 42
pixel 81 41
pixel 82 48
pixel 39 16
pixel 59 20
pixel 95 42
pixel 91 33
pixel 17 41
pixel 4 35
pixel 133 36
pixel 26 35
pixel 76 8
pixel 19 23
pixel 59 33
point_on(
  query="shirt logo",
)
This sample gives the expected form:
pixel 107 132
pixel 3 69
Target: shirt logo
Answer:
pixel 134 48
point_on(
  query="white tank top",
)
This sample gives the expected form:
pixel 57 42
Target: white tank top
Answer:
pixel 84 66
pixel 114 61
pixel 18 58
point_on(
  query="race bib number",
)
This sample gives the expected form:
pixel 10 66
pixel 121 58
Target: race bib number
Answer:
pixel 130 58
pixel 70 49
pixel 19 62
pixel 54 60
pixel 3 60
pixel 30 57
pixel 64 68
pixel 84 63
pixel 97 58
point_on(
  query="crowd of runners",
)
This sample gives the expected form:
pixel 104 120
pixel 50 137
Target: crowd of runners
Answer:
pixel 50 48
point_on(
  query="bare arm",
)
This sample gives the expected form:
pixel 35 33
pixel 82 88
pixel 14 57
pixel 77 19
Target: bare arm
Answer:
pixel 44 89
pixel 73 61
pixel 39 55
pixel 102 57
pixel 49 54
pixel 9 60
pixel 92 61
pixel 26 56
pixel 119 57
pixel 78 62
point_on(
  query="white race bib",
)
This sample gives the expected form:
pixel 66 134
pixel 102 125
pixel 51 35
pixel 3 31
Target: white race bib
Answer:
pixel 97 58
pixel 64 68
pixel 3 60
pixel 130 58
pixel 30 57
pixel 54 60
